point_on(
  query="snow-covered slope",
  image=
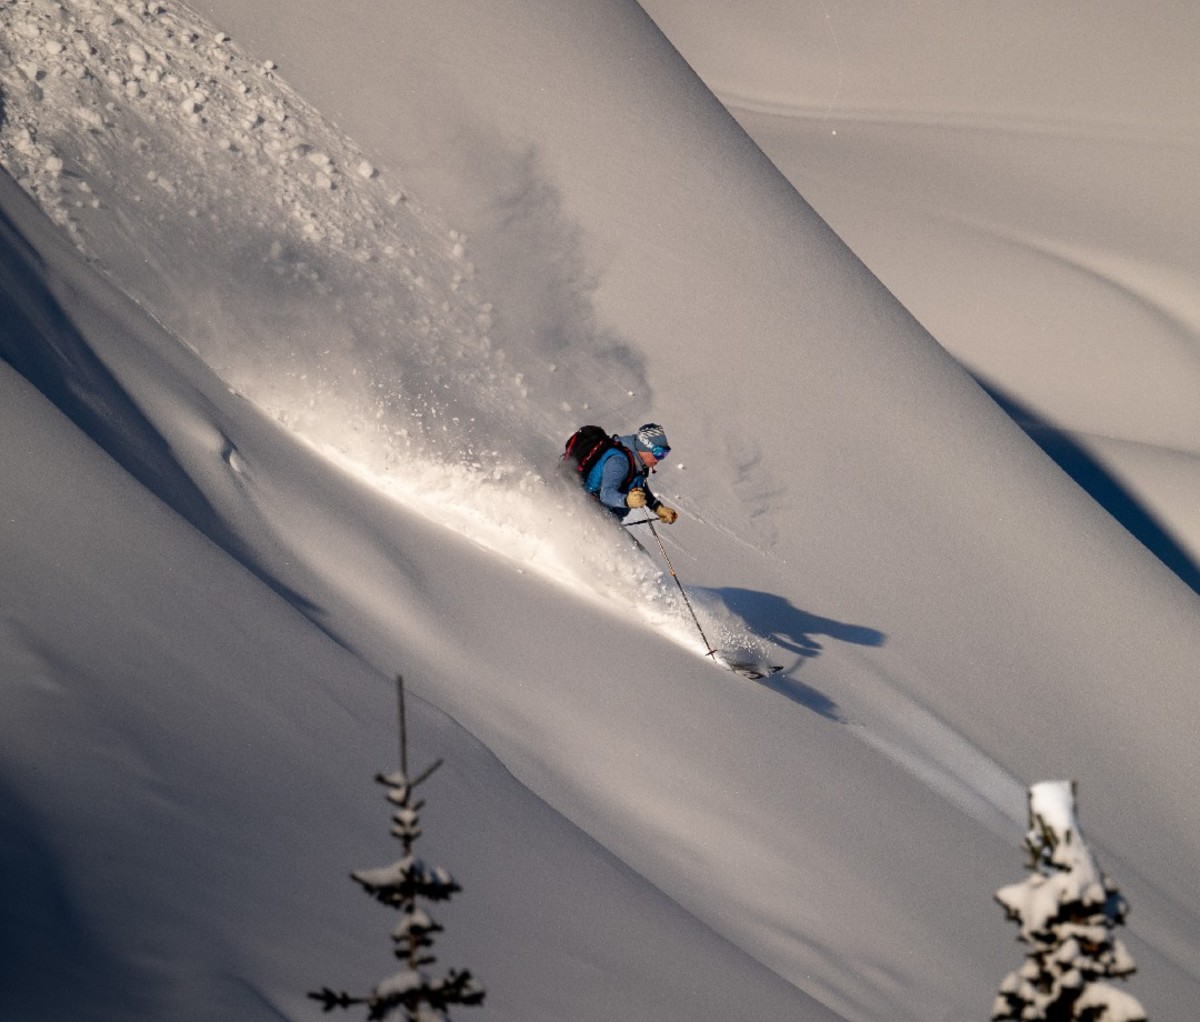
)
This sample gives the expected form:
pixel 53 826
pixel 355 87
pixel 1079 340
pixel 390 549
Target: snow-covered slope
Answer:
pixel 1023 190
pixel 188 761
pixel 954 616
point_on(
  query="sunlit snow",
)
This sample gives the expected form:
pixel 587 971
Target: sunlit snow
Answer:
pixel 298 304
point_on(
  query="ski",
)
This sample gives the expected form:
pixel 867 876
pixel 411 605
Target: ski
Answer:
pixel 753 671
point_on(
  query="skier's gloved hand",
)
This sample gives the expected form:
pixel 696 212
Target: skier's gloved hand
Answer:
pixel 636 498
pixel 666 514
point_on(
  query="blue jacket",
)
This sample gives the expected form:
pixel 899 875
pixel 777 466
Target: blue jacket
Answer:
pixel 605 479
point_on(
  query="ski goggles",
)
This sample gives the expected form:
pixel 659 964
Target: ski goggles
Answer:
pixel 660 452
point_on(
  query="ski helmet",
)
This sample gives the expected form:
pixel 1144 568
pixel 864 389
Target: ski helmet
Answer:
pixel 652 438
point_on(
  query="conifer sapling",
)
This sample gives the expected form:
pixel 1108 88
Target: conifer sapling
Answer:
pixel 1067 910
pixel 412 994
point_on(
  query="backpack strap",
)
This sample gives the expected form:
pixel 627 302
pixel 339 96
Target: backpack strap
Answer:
pixel 633 471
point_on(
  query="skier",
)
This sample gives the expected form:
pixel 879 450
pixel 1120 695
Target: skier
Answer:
pixel 614 470
pixel 618 477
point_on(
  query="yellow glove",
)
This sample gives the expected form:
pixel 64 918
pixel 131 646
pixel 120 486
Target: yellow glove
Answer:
pixel 667 514
pixel 636 498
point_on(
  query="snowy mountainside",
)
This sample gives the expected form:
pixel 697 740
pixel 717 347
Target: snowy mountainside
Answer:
pixel 137 123
pixel 182 798
pixel 132 634
pixel 1029 204
pixel 199 180
pixel 849 483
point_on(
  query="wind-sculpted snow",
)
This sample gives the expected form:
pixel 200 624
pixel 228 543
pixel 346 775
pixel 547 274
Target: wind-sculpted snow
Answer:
pixel 1065 244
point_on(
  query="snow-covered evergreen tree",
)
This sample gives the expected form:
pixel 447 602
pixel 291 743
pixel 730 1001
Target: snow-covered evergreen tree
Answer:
pixel 412 994
pixel 1067 910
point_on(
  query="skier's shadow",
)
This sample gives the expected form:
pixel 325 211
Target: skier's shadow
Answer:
pixel 774 618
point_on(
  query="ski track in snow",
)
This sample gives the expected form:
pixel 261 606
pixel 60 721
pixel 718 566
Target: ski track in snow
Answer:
pixel 135 124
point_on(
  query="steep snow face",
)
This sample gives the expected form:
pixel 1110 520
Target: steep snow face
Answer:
pixel 136 123
pixel 133 124
pixel 310 280
pixel 1025 196
pixel 185 782
pixel 850 468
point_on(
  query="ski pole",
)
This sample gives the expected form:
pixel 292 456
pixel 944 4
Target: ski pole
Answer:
pixel 654 532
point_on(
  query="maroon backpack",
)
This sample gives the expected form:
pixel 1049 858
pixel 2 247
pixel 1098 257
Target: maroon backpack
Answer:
pixel 587 445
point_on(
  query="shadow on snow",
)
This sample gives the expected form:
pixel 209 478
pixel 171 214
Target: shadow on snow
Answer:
pixel 40 341
pixel 1101 485
pixel 792 629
